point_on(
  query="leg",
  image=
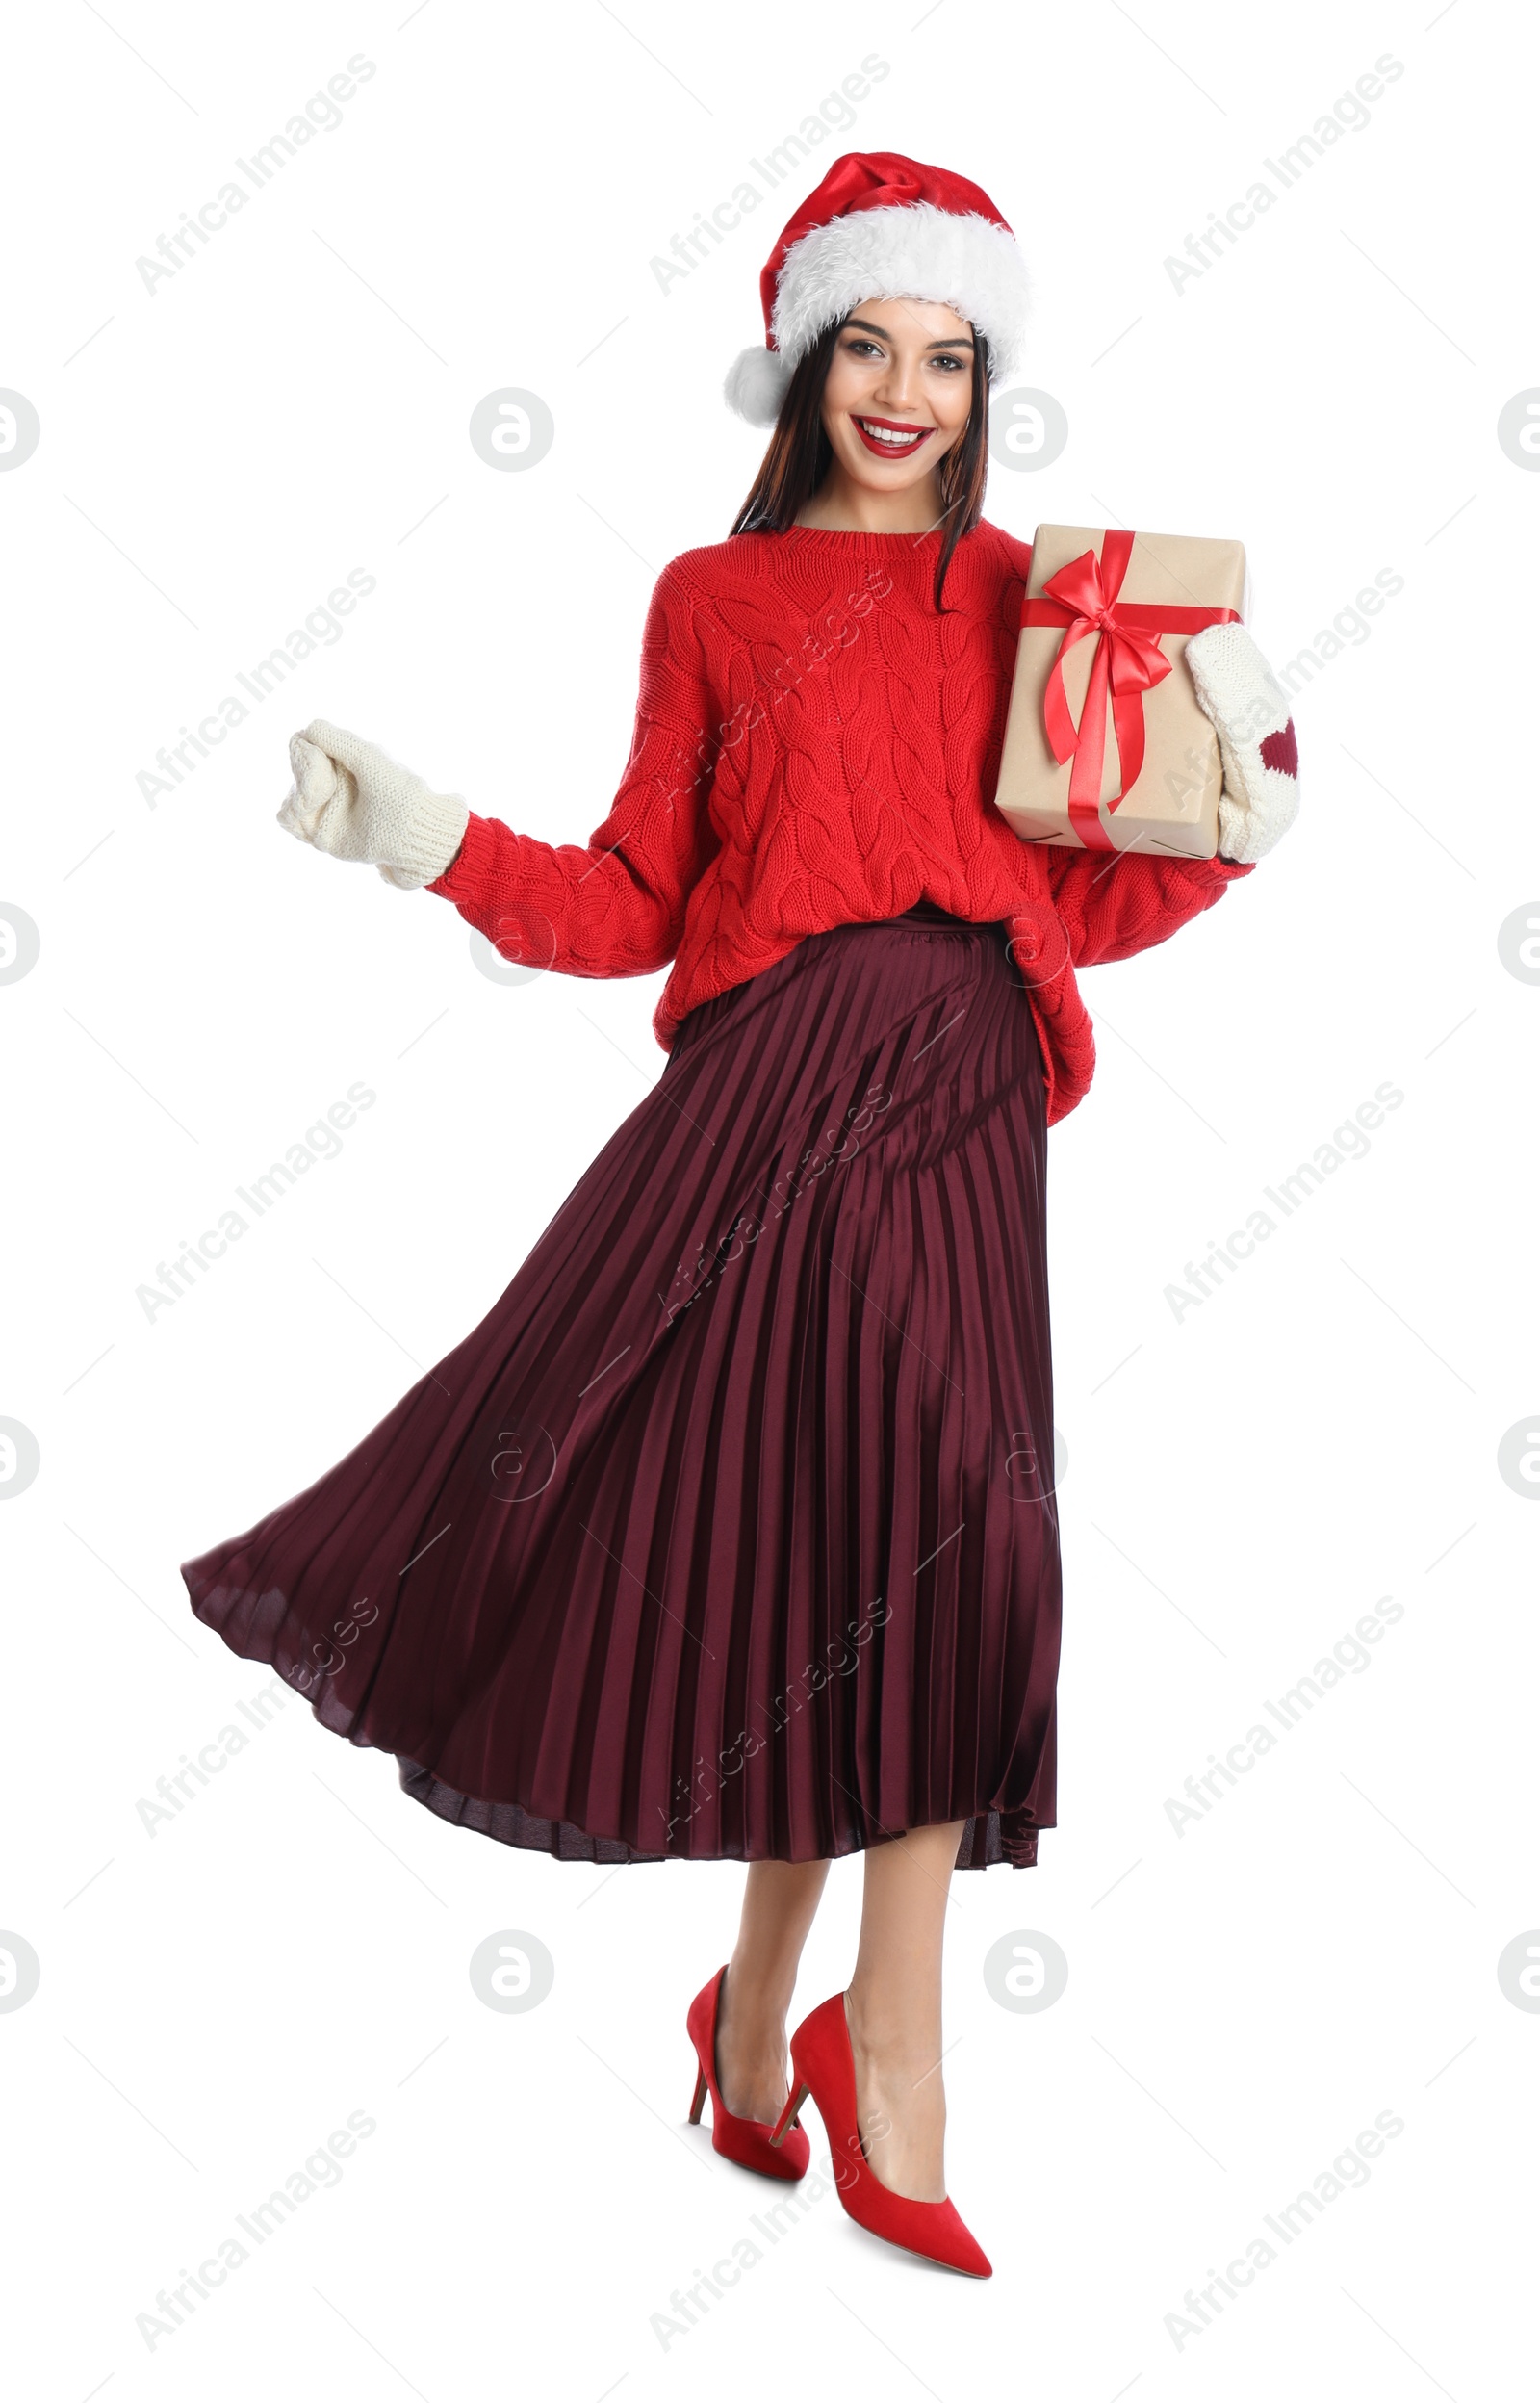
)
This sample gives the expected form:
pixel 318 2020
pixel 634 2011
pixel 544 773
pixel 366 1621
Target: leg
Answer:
pixel 779 1903
pixel 893 2008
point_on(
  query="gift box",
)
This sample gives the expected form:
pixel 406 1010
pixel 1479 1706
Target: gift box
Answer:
pixel 1106 748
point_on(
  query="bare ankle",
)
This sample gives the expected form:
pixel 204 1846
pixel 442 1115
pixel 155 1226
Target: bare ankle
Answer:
pixel 892 2046
pixel 755 2015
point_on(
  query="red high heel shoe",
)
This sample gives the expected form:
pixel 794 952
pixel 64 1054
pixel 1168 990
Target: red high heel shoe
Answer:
pixel 823 2066
pixel 746 2141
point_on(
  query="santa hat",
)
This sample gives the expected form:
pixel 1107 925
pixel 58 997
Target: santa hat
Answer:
pixel 881 227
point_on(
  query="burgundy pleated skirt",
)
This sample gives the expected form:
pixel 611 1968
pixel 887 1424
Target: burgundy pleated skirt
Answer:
pixel 730 1532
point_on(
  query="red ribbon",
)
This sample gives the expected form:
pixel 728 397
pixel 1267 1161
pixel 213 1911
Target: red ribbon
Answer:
pixel 1128 660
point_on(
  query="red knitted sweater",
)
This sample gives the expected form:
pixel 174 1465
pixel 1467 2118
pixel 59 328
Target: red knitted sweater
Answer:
pixel 814 744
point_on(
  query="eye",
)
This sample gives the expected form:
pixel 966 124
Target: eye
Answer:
pixel 949 360
pixel 860 342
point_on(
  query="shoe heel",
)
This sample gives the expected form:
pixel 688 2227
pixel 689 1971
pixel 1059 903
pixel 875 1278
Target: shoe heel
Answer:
pixel 794 2102
pixel 745 2141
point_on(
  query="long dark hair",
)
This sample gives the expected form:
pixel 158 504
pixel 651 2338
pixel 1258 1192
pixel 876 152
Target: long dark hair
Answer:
pixel 799 453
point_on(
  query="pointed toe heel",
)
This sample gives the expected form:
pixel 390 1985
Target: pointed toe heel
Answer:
pixel 781 2153
pixel 824 2067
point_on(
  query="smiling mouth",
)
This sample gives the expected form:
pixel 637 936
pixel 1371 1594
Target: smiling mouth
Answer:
pixel 887 439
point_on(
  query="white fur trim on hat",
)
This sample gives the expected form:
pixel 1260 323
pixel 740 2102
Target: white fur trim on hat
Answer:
pixel 915 251
pixel 756 384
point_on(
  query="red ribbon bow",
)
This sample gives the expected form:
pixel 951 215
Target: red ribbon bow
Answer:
pixel 1128 660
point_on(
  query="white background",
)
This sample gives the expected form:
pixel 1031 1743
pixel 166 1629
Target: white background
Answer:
pixel 1242 1482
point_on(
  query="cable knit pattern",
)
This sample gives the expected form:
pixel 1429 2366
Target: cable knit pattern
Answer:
pixel 815 745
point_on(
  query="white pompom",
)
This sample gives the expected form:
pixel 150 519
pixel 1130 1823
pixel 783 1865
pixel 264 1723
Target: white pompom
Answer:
pixel 756 384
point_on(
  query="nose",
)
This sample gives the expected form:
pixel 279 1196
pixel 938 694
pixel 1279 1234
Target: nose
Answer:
pixel 899 389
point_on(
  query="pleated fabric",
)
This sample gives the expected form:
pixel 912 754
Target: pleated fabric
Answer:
pixel 730 1532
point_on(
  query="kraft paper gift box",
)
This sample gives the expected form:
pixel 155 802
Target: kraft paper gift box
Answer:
pixel 1106 748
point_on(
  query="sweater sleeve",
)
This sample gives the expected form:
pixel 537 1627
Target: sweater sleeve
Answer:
pixel 614 905
pixel 1113 907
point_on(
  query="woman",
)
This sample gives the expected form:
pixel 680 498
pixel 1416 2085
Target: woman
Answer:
pixel 730 1532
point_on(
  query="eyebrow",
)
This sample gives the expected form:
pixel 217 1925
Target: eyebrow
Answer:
pixel 962 343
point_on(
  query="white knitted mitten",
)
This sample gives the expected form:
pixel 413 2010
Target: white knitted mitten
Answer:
pixel 1249 710
pixel 351 801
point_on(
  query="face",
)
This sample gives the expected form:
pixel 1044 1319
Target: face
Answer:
pixel 898 391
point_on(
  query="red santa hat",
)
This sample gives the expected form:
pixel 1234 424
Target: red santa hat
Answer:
pixel 881 227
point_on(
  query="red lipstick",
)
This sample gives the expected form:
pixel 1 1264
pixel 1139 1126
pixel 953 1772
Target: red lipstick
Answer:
pixel 917 434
